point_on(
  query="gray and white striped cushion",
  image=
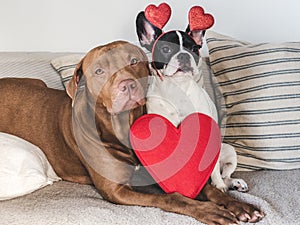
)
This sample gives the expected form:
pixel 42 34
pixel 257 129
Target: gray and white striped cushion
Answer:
pixel 66 65
pixel 32 65
pixel 260 89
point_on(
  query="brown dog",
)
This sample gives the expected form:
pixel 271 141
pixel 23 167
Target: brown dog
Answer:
pixel 86 138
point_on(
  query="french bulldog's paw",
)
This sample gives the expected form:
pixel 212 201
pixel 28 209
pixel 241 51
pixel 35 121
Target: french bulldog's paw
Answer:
pixel 221 186
pixel 239 185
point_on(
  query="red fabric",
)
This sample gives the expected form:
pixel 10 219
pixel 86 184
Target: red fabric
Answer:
pixel 199 20
pixel 179 159
pixel 158 16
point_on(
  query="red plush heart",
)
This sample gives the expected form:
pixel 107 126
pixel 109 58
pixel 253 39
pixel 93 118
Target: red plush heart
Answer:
pixel 199 20
pixel 158 16
pixel 179 159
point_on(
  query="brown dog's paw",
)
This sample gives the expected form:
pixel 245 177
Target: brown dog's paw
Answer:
pixel 245 212
pixel 212 214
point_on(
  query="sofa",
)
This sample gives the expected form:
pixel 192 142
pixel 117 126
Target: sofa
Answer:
pixel 272 172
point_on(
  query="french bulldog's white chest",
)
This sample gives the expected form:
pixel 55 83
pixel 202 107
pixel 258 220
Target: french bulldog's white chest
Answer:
pixel 177 97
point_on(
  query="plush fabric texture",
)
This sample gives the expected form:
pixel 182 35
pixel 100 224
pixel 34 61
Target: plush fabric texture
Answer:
pixel 65 66
pixel 23 167
pixel 180 159
pixel 275 192
pixel 259 86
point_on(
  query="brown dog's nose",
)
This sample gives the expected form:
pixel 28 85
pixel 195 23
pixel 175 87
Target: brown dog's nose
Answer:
pixel 128 85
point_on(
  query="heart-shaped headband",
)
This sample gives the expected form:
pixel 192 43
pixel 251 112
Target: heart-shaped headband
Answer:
pixel 160 15
pixel 199 20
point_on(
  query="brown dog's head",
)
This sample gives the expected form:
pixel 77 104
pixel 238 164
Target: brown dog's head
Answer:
pixel 115 76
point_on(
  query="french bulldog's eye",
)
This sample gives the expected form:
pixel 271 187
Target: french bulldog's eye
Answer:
pixel 134 61
pixel 99 71
pixel 166 49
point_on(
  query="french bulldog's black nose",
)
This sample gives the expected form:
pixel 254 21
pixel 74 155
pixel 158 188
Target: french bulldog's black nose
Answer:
pixel 183 58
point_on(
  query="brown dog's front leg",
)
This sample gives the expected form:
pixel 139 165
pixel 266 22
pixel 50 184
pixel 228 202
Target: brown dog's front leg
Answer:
pixel 243 211
pixel 206 212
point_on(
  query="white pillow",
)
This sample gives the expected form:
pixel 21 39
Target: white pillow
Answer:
pixel 23 167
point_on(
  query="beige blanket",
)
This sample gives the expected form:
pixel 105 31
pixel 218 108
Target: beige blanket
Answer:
pixel 276 192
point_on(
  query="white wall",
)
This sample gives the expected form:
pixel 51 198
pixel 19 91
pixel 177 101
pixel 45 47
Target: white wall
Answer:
pixel 79 25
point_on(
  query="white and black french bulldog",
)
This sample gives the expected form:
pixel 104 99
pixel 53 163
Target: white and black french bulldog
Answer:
pixel 176 89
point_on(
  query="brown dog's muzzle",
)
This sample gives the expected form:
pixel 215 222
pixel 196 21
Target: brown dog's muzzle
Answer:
pixel 126 89
pixel 130 94
pixel 127 94
pixel 128 86
pixel 131 89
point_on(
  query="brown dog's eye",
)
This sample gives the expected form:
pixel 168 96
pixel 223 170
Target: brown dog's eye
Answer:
pixel 134 61
pixel 99 71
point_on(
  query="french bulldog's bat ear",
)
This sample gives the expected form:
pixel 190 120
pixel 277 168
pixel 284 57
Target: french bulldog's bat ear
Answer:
pixel 72 85
pixel 197 35
pixel 147 33
pixel 199 22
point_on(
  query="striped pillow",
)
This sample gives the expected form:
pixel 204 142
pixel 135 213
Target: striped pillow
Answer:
pixel 260 103
pixel 30 65
pixel 65 66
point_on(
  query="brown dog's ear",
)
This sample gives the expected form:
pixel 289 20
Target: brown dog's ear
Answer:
pixel 72 85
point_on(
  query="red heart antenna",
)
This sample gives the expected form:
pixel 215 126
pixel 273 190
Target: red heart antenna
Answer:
pixel 199 20
pixel 158 16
